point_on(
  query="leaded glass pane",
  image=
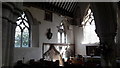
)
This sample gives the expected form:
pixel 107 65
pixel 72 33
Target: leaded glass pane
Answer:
pixel 18 22
pixel 18 37
pixel 22 26
pixel 26 23
pixel 25 18
pixel 25 38
pixel 23 15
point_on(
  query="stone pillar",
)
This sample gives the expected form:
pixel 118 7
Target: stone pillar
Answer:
pixel 106 26
pixel 0 35
pixel 10 12
pixel 118 33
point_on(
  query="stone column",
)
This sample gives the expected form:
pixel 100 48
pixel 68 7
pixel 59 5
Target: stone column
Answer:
pixel 10 12
pixel 106 26
pixel 118 36
pixel 0 35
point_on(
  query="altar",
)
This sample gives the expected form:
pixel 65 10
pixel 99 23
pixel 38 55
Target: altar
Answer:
pixel 57 51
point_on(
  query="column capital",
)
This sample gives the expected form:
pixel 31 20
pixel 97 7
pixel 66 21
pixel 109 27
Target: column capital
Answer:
pixel 10 11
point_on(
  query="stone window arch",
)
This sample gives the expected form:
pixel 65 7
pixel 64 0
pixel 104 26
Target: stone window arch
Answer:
pixel 88 23
pixel 61 33
pixel 23 30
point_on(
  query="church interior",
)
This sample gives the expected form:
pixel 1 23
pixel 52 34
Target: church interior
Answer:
pixel 60 35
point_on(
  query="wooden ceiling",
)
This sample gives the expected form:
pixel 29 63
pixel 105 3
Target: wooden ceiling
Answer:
pixel 63 8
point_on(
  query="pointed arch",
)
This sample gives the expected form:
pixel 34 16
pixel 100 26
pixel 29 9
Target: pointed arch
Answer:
pixel 89 27
pixel 23 37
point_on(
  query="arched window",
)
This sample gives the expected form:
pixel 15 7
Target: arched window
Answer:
pixel 61 33
pixel 22 32
pixel 88 23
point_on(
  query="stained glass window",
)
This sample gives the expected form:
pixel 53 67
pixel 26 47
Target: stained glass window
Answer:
pixel 22 32
pixel 61 34
pixel 88 23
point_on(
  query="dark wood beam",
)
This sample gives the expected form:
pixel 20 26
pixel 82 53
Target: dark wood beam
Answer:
pixel 63 8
